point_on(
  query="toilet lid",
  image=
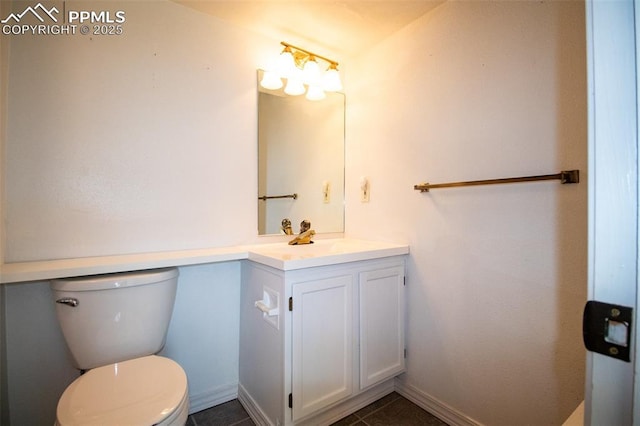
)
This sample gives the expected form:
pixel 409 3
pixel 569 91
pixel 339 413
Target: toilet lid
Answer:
pixel 140 391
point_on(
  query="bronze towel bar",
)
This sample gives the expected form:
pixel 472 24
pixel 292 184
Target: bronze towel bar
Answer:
pixel 270 197
pixel 567 176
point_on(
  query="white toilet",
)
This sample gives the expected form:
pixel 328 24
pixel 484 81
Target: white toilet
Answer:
pixel 113 325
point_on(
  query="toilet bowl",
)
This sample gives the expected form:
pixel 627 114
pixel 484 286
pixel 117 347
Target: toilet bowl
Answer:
pixel 151 390
pixel 114 325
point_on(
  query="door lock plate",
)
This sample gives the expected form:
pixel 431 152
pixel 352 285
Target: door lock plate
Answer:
pixel 606 329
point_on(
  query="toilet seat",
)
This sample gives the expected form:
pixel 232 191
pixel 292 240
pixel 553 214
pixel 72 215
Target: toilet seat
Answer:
pixel 144 391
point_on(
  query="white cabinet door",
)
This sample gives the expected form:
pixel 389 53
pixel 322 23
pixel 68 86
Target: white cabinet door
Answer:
pixel 322 326
pixel 381 325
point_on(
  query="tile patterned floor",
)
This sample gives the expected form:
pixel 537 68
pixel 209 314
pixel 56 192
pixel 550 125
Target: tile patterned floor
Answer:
pixel 391 410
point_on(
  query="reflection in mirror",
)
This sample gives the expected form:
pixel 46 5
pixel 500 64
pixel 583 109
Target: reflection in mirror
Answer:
pixel 300 161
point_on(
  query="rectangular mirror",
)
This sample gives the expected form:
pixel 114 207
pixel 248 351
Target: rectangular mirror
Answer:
pixel 300 161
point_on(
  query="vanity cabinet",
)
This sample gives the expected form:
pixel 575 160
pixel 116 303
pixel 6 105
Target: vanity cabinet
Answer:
pixel 313 339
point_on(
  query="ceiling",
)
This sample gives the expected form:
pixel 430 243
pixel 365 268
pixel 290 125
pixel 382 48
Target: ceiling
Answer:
pixel 333 27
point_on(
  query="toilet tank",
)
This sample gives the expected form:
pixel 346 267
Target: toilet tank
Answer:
pixel 115 317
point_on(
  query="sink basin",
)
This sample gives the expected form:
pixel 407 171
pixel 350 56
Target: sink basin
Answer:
pixel 322 252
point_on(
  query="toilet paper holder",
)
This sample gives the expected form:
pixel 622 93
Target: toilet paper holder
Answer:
pixel 269 306
pixel 268 310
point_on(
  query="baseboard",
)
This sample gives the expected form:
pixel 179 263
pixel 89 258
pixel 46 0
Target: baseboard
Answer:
pixel 328 416
pixel 438 408
pixel 212 397
pixel 350 406
pixel 425 401
pixel 252 408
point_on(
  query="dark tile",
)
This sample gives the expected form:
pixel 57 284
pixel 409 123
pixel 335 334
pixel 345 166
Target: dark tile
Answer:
pixel 385 400
pixel 347 421
pixel 229 413
pixel 402 412
pixel 390 410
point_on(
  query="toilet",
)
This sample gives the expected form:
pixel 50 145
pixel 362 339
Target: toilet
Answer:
pixel 114 325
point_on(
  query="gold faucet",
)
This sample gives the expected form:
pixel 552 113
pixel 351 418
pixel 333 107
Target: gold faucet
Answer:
pixel 306 233
pixel 303 238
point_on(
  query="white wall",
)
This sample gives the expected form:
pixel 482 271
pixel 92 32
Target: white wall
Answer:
pixel 205 330
pixel 497 275
pixel 122 144
pixel 133 143
pixel 473 90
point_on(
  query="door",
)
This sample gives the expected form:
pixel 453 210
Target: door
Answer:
pixel 322 341
pixel 381 325
pixel 613 198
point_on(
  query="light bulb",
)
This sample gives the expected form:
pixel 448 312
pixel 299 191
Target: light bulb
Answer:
pixel 311 72
pixel 294 87
pixel 315 93
pixel 331 80
pixel 286 64
pixel 271 80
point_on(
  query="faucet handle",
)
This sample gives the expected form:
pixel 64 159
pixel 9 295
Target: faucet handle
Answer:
pixel 286 226
pixel 305 225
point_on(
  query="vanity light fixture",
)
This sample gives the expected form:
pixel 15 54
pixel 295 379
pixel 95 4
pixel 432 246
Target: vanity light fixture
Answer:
pixel 294 87
pixel 271 80
pixel 331 79
pixel 301 68
pixel 311 72
pixel 315 93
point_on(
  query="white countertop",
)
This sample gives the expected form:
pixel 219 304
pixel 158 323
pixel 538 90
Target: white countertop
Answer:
pixel 323 252
pixel 277 255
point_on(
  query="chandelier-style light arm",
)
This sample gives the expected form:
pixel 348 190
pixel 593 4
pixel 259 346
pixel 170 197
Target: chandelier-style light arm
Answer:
pixel 291 46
